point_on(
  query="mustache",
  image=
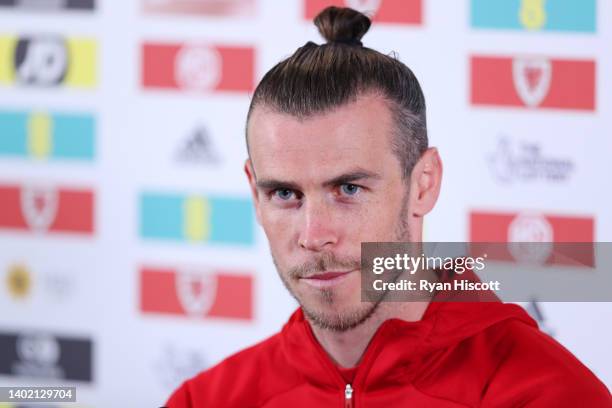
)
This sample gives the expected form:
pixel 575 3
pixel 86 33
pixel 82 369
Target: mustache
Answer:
pixel 326 262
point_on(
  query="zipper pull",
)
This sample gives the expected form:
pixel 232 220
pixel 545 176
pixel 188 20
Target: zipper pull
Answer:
pixel 348 396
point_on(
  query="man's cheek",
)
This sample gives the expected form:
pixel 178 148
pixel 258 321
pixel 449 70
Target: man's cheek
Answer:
pixel 278 231
pixel 366 216
pixel 271 219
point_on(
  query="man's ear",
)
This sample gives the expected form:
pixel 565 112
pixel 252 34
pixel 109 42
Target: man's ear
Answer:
pixel 250 173
pixel 425 182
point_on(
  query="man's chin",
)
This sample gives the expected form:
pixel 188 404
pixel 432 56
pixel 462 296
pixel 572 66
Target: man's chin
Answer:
pixel 339 319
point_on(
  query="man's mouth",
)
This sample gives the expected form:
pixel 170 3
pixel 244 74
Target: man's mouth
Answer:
pixel 327 278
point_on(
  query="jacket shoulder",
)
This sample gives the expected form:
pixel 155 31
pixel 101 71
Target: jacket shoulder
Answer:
pixel 509 364
pixel 534 369
pixel 235 381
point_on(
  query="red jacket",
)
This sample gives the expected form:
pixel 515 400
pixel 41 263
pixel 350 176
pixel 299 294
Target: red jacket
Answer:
pixel 458 355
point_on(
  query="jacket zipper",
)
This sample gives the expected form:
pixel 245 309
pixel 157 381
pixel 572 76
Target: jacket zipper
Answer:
pixel 371 351
pixel 348 396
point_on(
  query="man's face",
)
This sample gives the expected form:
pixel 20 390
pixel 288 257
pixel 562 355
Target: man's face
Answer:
pixel 323 185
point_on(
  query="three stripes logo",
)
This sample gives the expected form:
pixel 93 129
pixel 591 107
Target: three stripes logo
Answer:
pixel 215 220
pixel 533 82
pixel 42 209
pixel 48 61
pixel 535 15
pixel 198 67
pixel 42 136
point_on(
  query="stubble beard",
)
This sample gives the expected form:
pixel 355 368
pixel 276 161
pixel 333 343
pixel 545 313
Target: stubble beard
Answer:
pixel 338 320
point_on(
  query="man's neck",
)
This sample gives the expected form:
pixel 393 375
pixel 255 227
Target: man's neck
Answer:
pixel 347 348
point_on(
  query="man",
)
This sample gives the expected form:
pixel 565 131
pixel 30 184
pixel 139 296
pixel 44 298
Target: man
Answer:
pixel 338 155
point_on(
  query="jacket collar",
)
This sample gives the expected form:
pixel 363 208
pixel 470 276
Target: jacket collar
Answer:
pixel 398 346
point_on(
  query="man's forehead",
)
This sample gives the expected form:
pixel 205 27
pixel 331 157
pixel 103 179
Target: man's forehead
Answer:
pixel 301 168
pixel 355 125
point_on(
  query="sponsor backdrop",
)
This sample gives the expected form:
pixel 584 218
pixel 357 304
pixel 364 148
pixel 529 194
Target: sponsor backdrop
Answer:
pixel 130 257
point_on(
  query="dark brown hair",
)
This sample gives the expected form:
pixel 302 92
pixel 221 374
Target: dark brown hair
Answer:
pixel 318 78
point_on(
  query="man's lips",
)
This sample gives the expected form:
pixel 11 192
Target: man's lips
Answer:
pixel 326 279
pixel 327 275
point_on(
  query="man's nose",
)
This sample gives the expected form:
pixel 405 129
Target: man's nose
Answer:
pixel 318 230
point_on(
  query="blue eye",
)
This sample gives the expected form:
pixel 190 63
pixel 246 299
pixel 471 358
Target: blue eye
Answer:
pixel 349 189
pixel 284 194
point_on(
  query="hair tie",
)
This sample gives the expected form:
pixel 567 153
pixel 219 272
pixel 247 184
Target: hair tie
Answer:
pixel 351 41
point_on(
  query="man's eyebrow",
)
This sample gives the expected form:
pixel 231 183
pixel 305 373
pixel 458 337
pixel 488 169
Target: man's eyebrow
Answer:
pixel 352 177
pixel 272 184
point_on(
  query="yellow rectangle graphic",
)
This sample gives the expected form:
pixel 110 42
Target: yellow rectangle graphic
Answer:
pixel 82 68
pixel 82 61
pixel 7 57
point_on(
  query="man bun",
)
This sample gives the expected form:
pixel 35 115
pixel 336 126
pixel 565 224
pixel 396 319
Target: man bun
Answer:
pixel 342 25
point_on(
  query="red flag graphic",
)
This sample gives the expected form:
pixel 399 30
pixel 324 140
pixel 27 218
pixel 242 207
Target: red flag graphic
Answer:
pixel 198 67
pixel 534 82
pixel 384 11
pixel 42 209
pixel 196 293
